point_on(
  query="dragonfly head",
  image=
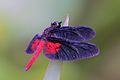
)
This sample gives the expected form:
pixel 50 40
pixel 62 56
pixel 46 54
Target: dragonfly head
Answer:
pixel 56 24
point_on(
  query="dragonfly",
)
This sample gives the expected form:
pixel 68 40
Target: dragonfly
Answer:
pixel 63 43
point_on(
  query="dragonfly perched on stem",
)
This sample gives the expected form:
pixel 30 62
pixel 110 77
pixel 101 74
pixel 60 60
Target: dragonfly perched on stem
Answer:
pixel 62 43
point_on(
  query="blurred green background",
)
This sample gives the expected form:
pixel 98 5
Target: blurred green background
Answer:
pixel 20 20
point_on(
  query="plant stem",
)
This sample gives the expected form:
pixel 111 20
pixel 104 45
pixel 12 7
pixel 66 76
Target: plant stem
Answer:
pixel 53 70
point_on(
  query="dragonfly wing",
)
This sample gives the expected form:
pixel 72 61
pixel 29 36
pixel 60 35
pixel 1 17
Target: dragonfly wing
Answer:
pixel 67 33
pixel 33 44
pixel 70 51
pixel 86 32
pixel 79 33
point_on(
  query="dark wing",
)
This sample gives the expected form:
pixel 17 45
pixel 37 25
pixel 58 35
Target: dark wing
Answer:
pixel 79 33
pixel 33 44
pixel 86 32
pixel 71 51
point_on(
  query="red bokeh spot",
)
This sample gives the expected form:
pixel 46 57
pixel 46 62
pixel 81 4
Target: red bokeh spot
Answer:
pixel 52 48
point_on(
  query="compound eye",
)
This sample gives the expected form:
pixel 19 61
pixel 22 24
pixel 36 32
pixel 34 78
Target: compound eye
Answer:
pixel 56 24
